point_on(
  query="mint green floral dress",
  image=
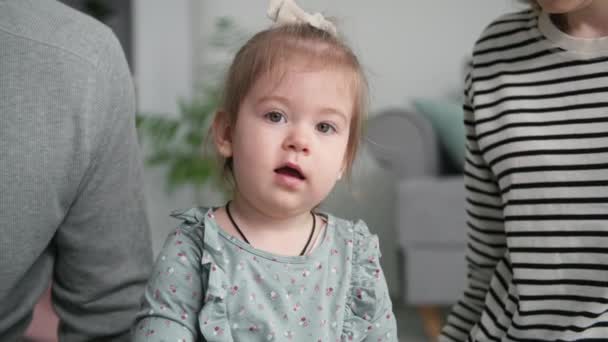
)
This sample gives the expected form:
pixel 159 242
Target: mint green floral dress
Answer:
pixel 210 286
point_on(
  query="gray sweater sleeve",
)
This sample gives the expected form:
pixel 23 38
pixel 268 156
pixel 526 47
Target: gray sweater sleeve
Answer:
pixel 103 245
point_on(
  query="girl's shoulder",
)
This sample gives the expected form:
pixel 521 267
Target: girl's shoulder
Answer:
pixel 355 236
pixel 349 229
pixel 195 225
pixel 191 216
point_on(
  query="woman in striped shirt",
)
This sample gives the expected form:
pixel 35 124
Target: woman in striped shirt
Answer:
pixel 536 174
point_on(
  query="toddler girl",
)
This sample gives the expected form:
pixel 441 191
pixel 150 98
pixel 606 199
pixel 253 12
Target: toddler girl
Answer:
pixel 267 266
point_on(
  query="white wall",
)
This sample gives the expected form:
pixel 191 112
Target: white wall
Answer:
pixel 163 59
pixel 410 49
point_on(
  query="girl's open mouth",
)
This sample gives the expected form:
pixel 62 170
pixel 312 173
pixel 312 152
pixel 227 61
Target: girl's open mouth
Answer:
pixel 290 170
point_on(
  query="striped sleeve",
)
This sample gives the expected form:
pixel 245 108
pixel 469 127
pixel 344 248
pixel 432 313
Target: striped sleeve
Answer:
pixel 485 232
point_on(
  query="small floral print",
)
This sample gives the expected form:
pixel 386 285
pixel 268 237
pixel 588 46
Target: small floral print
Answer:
pixel 304 322
pixel 254 328
pixel 234 290
pixel 273 295
pixel 377 273
pixel 333 251
pixel 182 257
pixel 218 331
pixel 359 293
pixel 306 273
pixel 329 291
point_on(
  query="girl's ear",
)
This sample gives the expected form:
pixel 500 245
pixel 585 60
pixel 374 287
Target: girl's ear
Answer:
pixel 222 134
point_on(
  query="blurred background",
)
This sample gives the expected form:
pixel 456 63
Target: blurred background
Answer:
pixel 407 182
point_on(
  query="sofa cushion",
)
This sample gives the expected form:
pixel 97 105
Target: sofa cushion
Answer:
pixel 447 120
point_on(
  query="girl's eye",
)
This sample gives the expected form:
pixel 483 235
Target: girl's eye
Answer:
pixel 275 116
pixel 324 127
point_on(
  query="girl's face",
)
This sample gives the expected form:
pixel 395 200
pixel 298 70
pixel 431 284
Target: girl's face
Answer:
pixel 563 6
pixel 290 138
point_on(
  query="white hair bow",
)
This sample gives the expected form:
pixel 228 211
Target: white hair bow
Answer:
pixel 288 12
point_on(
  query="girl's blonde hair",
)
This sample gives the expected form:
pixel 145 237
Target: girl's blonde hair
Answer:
pixel 270 52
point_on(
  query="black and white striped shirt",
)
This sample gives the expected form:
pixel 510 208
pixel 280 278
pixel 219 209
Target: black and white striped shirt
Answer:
pixel 536 175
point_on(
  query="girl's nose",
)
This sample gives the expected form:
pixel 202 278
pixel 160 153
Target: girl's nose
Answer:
pixel 297 141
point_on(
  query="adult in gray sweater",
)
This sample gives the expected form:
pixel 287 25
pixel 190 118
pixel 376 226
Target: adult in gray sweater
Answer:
pixel 71 202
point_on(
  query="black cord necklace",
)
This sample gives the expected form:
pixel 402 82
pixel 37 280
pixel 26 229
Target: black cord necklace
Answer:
pixel 236 226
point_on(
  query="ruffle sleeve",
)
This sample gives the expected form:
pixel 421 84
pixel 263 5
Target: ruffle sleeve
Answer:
pixel 184 299
pixel 369 315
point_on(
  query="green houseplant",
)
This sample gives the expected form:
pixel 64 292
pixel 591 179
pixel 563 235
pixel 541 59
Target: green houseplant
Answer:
pixel 180 143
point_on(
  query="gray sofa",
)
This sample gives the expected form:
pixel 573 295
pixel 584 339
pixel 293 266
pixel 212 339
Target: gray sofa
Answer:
pixel 429 208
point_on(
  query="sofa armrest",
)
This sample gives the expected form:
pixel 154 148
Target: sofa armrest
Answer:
pixel 404 143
